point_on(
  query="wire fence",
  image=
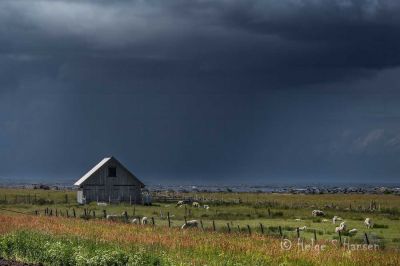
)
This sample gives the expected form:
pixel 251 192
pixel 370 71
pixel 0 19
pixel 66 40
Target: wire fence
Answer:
pixel 278 231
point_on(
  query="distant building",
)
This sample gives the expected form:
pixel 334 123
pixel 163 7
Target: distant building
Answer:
pixel 109 181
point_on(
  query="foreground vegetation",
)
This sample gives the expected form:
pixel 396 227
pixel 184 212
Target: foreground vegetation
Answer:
pixel 96 241
pixel 52 240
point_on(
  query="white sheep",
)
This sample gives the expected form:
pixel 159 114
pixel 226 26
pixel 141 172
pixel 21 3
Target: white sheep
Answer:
pixel 112 217
pixel 196 204
pixel 135 221
pixel 303 228
pixel 180 203
pixel 368 223
pixel 341 228
pixel 336 219
pixel 206 207
pixel 316 213
pixel 297 220
pixel 191 223
pixel 144 220
pixel 353 231
pixel 343 225
pixel 325 220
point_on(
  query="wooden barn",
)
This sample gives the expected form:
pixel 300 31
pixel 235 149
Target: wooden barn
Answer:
pixel 109 181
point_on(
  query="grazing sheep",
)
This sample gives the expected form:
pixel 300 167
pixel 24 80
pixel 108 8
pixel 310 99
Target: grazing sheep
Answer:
pixel 368 223
pixel 189 224
pixel 135 221
pixel 353 231
pixel 316 213
pixel 338 229
pixel 341 228
pixel 343 225
pixel 325 220
pixel 206 207
pixel 180 203
pixel 336 219
pixel 302 228
pixel 297 219
pixel 112 217
pixel 101 204
pixel 196 204
pixel 144 220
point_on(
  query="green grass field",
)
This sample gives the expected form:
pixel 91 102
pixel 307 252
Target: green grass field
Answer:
pixel 239 210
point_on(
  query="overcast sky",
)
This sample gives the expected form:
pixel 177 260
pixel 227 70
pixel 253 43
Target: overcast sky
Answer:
pixel 202 91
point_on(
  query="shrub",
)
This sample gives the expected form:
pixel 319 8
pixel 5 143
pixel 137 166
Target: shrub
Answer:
pixel 42 201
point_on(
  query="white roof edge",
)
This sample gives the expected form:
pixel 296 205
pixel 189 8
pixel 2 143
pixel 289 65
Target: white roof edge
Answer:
pixel 94 169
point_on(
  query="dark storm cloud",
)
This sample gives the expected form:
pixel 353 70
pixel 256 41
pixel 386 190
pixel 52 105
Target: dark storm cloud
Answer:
pixel 209 89
pixel 278 43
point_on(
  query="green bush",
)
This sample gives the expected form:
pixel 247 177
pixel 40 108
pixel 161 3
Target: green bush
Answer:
pixel 42 201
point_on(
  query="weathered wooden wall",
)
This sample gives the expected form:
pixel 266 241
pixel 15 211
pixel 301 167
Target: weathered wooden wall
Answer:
pixel 101 187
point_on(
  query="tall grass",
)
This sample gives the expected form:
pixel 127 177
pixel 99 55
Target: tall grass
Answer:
pixel 90 239
pixel 34 247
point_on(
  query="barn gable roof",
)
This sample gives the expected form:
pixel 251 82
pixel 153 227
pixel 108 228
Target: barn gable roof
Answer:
pixel 98 166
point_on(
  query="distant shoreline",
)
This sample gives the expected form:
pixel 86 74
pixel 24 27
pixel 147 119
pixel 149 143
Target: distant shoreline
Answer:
pixel 280 189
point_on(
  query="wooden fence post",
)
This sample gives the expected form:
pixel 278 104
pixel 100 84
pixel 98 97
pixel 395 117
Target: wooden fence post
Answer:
pixel 366 238
pixel 269 212
pixel 67 213
pixel 248 227
pixel 238 228
pixel 73 211
pixel 229 227
pixel 152 221
pixel 298 232
pixel 201 223
pixel 214 226
pixel 104 214
pixel 262 228
pixel 169 220
pixel 94 214
pixel 315 235
pixel 340 238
